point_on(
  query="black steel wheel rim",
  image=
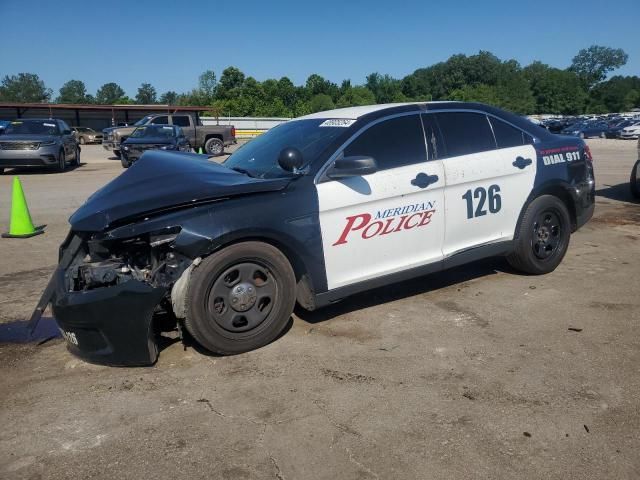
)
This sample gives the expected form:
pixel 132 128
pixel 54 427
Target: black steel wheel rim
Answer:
pixel 242 297
pixel 547 234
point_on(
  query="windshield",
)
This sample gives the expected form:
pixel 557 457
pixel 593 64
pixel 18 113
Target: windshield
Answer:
pixel 259 157
pixel 142 121
pixel 155 131
pixel 33 127
pixel 84 129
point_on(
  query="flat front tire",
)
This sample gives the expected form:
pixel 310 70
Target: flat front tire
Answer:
pixel 542 238
pixel 240 298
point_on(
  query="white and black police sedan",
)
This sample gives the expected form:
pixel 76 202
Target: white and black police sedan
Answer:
pixel 312 211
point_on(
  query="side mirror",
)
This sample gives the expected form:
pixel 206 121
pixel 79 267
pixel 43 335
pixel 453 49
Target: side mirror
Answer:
pixel 355 166
pixel 290 159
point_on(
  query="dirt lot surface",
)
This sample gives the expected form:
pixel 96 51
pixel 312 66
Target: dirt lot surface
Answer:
pixel 475 373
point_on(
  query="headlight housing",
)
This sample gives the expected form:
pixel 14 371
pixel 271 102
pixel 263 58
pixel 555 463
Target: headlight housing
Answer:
pixel 125 148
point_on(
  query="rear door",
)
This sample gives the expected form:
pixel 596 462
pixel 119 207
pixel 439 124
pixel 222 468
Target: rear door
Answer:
pixel 185 122
pixel 388 221
pixel 490 168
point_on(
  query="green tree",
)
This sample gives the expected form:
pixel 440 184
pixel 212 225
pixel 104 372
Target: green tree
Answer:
pixel 73 91
pixel 25 88
pixel 594 63
pixel 321 102
pixel 231 78
pixel 618 94
pixel 109 94
pixel 356 96
pixel 555 90
pixel 385 88
pixel 169 98
pixel 146 94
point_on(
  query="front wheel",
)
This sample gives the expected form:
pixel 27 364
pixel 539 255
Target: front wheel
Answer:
pixel 125 162
pixel 543 236
pixel 214 146
pixel 116 153
pixel 240 298
pixel 62 163
pixel 82 141
pixel 76 158
pixel 634 181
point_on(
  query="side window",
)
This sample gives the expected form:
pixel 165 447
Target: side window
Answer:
pixel 435 148
pixel 181 120
pixel 465 133
pixel 63 126
pixel 393 143
pixel 508 136
pixel 160 121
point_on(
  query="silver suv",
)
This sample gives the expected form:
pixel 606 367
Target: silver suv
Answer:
pixel 34 142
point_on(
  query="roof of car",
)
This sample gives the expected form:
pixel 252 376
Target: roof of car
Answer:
pixel 357 112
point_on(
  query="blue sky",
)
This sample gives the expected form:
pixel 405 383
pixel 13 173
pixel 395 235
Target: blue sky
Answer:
pixel 169 43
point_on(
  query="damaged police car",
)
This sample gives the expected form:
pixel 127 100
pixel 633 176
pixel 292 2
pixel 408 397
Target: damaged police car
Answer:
pixel 312 211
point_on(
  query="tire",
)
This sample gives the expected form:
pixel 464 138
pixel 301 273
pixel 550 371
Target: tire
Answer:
pixel 543 236
pixel 126 163
pixel 634 180
pixel 117 153
pixel 62 163
pixel 82 140
pixel 227 277
pixel 76 158
pixel 214 146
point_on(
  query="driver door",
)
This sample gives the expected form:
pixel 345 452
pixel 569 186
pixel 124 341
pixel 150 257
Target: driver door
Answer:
pixel 388 221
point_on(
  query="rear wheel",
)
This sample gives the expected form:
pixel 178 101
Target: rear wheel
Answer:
pixel 214 146
pixel 634 181
pixel 240 298
pixel 543 237
pixel 116 153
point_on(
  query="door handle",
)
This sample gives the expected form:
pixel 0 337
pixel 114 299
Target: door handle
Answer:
pixel 423 180
pixel 521 162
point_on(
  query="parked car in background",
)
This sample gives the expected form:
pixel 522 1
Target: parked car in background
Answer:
pixel 87 135
pixel 616 127
pixel 152 137
pixel 38 142
pixel 630 132
pixel 587 129
pixel 212 138
pixel 634 180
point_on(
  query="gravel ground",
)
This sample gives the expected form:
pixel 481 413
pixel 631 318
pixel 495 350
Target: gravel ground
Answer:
pixel 475 373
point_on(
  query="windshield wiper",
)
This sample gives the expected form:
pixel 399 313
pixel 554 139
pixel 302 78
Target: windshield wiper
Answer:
pixel 242 170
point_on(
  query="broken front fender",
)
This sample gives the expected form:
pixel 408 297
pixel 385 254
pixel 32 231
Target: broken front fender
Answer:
pixel 110 325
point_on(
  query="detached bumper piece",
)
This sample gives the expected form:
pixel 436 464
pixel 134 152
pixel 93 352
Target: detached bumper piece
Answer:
pixel 109 325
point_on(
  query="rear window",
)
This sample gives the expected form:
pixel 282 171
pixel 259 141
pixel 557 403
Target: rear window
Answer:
pixel 507 135
pixel 181 120
pixel 465 133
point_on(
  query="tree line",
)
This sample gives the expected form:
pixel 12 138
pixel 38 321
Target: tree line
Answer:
pixel 535 88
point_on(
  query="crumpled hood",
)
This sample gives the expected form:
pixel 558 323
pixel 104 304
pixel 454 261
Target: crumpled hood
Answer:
pixel 161 180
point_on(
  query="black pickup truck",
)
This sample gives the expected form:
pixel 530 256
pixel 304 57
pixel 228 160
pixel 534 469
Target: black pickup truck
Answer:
pixel 212 138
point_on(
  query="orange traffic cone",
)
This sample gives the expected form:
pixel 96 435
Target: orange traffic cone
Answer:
pixel 20 225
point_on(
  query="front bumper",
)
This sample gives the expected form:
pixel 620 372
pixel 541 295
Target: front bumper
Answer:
pixel 43 156
pixel 108 325
pixel 110 145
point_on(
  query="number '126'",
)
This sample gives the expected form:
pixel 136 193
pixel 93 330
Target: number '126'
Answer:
pixel 481 194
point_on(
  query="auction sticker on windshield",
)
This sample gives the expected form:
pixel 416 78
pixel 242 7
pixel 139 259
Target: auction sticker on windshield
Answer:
pixel 337 122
